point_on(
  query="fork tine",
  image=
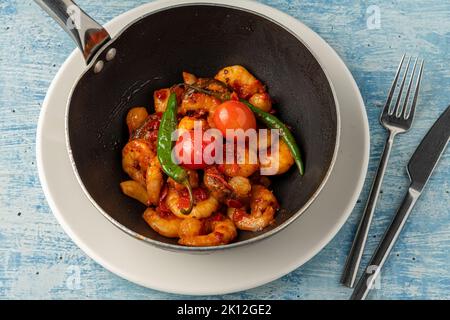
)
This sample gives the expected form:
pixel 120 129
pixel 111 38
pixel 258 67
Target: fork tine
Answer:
pixel 394 84
pixel 416 93
pixel 397 109
pixel 411 80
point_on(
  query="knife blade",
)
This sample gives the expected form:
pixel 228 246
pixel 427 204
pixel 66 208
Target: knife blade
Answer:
pixel 420 167
pixel 427 154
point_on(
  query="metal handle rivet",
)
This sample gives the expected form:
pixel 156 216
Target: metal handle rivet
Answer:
pixel 111 54
pixel 99 66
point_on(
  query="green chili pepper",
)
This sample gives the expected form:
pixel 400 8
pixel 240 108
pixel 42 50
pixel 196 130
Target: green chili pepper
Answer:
pixel 273 122
pixel 164 149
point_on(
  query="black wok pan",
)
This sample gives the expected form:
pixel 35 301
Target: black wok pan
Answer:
pixel 151 53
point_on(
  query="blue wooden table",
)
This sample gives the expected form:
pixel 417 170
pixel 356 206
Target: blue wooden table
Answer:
pixel 37 258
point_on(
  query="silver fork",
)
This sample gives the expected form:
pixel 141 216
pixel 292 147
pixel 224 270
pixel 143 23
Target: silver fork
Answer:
pixel 396 120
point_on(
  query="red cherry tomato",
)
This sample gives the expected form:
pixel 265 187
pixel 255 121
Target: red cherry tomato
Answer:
pixel 190 154
pixel 234 115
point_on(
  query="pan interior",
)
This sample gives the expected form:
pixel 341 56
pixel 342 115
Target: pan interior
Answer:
pixel 152 53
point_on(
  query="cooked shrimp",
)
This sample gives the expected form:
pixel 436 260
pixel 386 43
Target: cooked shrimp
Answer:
pixel 249 166
pixel 135 190
pixel 193 181
pixel 274 164
pixel 189 78
pixel 160 98
pixel 202 209
pixel 228 192
pixel 261 101
pixel 221 231
pixel 190 227
pixel 148 130
pixel 188 123
pixel 257 178
pixel 136 117
pixel 263 206
pixel 136 156
pixel 196 102
pixel 241 186
pixel 234 182
pixel 240 80
pixel 166 225
pixel 154 181
pixel 216 183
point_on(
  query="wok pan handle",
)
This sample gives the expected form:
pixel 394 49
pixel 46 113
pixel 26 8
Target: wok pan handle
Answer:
pixel 87 34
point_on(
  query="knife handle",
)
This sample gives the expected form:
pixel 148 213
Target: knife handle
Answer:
pixel 389 238
pixel 354 257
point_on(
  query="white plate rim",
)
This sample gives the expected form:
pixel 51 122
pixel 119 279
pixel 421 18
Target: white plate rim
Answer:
pixel 107 264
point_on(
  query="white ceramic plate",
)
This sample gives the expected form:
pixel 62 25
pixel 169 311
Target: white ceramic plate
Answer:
pixel 258 263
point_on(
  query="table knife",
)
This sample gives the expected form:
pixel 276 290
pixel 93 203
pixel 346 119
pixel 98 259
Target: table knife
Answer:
pixel 420 168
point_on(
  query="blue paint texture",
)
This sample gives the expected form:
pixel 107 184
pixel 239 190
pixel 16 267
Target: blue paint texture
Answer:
pixel 36 255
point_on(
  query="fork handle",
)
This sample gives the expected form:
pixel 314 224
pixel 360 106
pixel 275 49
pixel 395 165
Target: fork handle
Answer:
pixel 387 243
pixel 359 243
